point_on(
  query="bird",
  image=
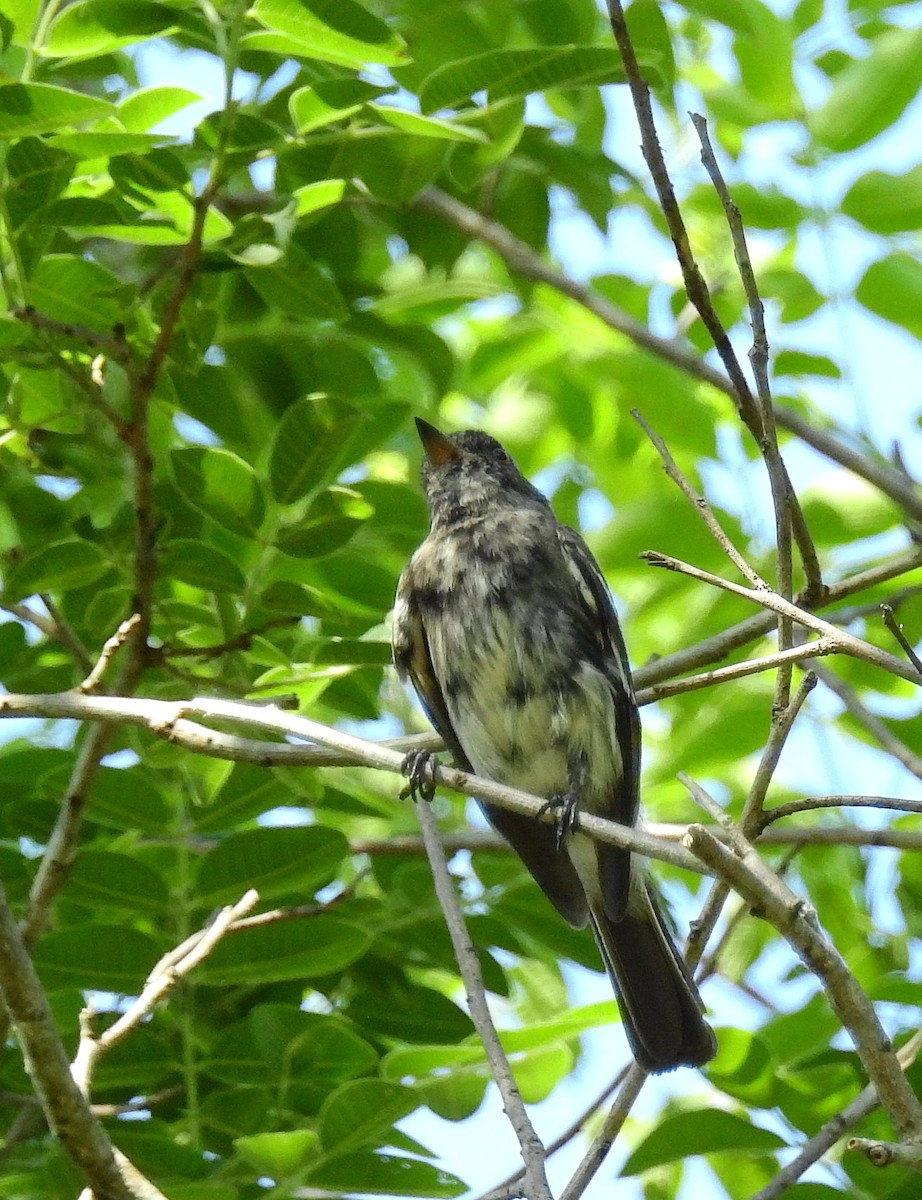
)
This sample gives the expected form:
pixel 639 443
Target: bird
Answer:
pixel 505 628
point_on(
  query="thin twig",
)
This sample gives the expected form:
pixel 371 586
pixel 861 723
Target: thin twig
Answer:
pixel 163 978
pixel 59 850
pixel 782 724
pixel 108 652
pixel 611 1127
pixel 535 1179
pixel 113 345
pixel 847 643
pixel 721 644
pixel 904 492
pixel 700 505
pixel 242 641
pixel 884 1154
pixel 815 803
pixel 65 634
pixel 896 629
pixel 788 513
pixel 575 1127
pixel 751 666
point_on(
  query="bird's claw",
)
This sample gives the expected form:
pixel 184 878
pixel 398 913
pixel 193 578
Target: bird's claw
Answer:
pixel 565 806
pixel 419 767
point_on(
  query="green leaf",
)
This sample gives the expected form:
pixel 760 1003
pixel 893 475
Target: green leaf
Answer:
pixel 892 288
pixel 386 1175
pixel 699 1132
pixel 247 792
pixel 105 143
pixel 359 1112
pixel 741 18
pixel 309 1046
pixel 299 287
pixel 288 950
pixel 203 566
pixel 506 73
pixel 109 958
pixel 279 1155
pixel 434 127
pixel 333 517
pixel 310 443
pixel 38 173
pixel 60 567
pixel 109 880
pixel 222 486
pixel 40 108
pixel 335 31
pixel 76 291
pixel 329 100
pixel 872 92
pixel 314 196
pixel 799 362
pixel 100 26
pixel 886 203
pixel 127 801
pixel 277 861
pixel 146 107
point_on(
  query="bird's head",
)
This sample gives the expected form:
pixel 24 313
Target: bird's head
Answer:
pixel 469 474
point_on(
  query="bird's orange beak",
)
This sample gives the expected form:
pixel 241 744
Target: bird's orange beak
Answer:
pixel 439 449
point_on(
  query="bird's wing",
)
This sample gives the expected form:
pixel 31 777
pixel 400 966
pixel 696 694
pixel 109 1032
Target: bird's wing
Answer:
pixel 603 634
pixel 414 662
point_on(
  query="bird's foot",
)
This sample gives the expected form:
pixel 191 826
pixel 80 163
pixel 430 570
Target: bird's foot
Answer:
pixel 419 766
pixel 565 806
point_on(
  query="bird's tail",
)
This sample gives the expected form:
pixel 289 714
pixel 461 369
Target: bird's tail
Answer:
pixel 660 1006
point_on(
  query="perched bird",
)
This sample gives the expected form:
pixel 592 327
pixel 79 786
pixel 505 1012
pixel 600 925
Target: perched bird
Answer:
pixel 505 628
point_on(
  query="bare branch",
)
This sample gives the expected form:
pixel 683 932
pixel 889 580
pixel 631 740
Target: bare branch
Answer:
pixel 522 259
pixel 884 1154
pixel 897 630
pixel 534 1180
pixel 108 652
pixel 847 643
pixel 773 899
pixel 724 643
pixel 752 666
pixel 604 1139
pixel 66 1108
pixel 64 634
pixel 113 345
pixel 59 851
pixel 891 482
pixel 700 505
pixel 163 978
pixel 161 716
pixel 813 803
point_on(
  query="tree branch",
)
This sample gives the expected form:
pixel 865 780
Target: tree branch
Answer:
pixel 66 1108
pixel 534 1179
pixel 847 644
pixel 768 895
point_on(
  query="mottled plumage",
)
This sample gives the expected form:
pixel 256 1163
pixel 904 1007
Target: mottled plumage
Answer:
pixel 505 627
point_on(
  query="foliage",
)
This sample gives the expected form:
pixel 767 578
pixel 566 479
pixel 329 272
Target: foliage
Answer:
pixel 209 385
